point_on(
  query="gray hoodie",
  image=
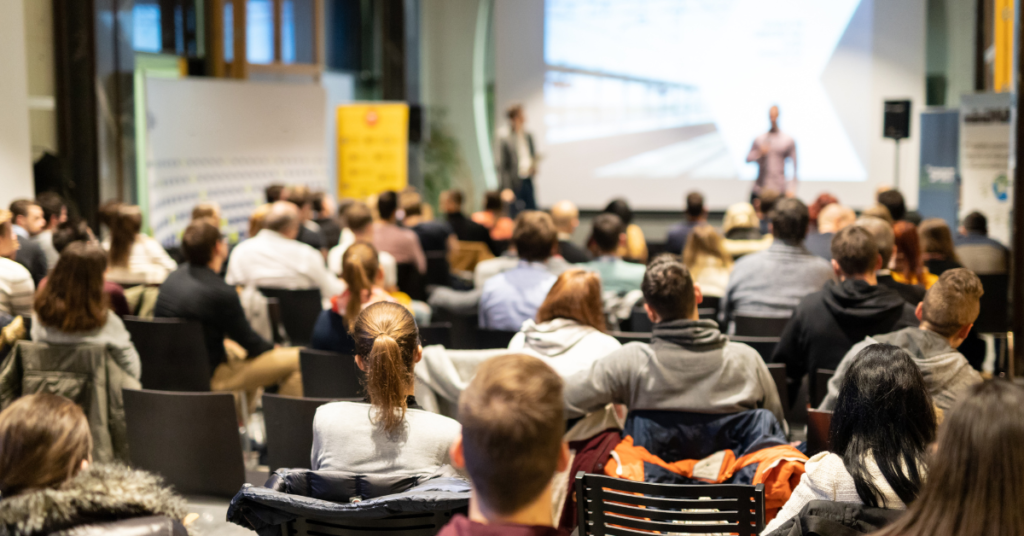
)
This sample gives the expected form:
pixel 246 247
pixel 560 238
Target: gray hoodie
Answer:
pixel 946 371
pixel 689 366
pixel 570 346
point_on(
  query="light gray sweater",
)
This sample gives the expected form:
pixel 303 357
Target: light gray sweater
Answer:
pixel 113 335
pixel 689 366
pixel 345 439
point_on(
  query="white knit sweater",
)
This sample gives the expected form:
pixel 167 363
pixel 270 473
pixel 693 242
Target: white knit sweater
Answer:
pixel 826 479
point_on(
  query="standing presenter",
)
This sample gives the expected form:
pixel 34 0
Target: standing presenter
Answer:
pixel 518 164
pixel 770 151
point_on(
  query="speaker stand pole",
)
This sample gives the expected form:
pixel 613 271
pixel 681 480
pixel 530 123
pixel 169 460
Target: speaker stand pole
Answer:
pixel 896 169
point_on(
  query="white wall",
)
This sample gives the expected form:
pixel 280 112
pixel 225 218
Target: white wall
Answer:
pixel 15 146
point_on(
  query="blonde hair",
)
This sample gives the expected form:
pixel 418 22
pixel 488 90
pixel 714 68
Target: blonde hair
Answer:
pixel 704 242
pixel 359 268
pixel 387 339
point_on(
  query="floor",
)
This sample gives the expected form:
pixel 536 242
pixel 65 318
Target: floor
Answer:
pixel 212 520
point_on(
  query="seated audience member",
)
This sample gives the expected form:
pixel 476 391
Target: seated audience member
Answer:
pixel 79 231
pixel 879 211
pixel 979 253
pixel 391 434
pixel 708 261
pixel 209 210
pixel 832 219
pixel 16 285
pixel 689 366
pixel 72 309
pixel 465 229
pixel 364 281
pixel 309 231
pixel 257 219
pixel 275 193
pixel 937 246
pixel 742 235
pixel 830 321
pixel 772 282
pixel 696 215
pixel 274 259
pixel 881 428
pixel 437 238
pixel 325 217
pixel 359 220
pixel 764 204
pixel 493 217
pixel 814 211
pixel 617 275
pixel 29 222
pixel 635 248
pixel 511 446
pixel 134 257
pixel 907 265
pixel 567 218
pixel 893 201
pixel 946 315
pixel 570 325
pixel 55 212
pixel 514 296
pixel 195 292
pixel 885 240
pixel 51 486
pixel 402 244
pixel 975 471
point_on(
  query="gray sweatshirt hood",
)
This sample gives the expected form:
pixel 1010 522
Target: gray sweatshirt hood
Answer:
pixel 555 337
pixel 939 362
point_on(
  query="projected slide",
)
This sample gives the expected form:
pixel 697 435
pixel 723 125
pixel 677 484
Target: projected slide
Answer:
pixel 665 89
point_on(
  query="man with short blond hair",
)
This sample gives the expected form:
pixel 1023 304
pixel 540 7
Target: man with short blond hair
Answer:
pixel 567 218
pixel 511 446
pixel 832 219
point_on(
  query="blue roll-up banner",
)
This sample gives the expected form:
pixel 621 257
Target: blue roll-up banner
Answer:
pixel 939 184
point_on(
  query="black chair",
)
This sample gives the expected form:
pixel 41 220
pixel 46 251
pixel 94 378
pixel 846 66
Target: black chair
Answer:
pixel 464 329
pixel 818 425
pixel 411 281
pixel 274 315
pixel 436 333
pixel 491 338
pixel 438 270
pixel 761 333
pixel 299 312
pixel 778 372
pixel 190 439
pixel 612 506
pixel 330 375
pixel 819 386
pixel 418 524
pixel 708 309
pixel 639 322
pixel 172 352
pixel 290 430
pixel 994 316
pixel 627 336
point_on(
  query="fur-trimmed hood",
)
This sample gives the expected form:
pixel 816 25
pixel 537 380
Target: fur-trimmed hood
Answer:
pixel 101 493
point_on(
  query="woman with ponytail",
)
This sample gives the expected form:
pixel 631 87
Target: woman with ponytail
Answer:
pixel 364 280
pixel 388 433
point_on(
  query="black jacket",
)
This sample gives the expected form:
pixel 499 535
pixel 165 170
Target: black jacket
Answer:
pixel 573 253
pixel 468 230
pixel 196 293
pixel 912 294
pixel 828 322
pixel 31 256
pixel 827 518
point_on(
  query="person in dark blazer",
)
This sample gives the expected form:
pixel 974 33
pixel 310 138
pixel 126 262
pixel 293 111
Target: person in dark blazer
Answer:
pixel 518 164
pixel 28 222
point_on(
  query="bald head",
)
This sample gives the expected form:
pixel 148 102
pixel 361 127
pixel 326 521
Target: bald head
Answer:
pixel 283 218
pixel 566 216
pixel 881 231
pixel 835 217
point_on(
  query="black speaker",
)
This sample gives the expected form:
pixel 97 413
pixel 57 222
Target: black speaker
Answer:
pixel 415 123
pixel 897 119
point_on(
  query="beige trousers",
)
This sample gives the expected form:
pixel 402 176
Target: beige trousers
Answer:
pixel 279 366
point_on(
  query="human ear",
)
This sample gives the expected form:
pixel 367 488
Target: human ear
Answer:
pixel 456 454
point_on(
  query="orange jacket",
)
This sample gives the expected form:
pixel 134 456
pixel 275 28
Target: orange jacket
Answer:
pixel 779 469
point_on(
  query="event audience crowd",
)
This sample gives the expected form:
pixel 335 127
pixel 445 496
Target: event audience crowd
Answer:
pixel 886 303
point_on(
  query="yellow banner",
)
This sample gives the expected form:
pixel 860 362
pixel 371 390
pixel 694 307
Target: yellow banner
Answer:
pixel 1002 77
pixel 373 145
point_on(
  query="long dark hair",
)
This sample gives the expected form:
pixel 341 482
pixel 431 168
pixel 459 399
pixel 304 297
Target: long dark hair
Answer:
pixel 977 472
pixel 72 300
pixel 387 339
pixel 883 411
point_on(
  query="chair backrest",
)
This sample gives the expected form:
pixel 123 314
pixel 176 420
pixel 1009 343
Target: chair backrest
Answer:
pixel 818 425
pixel 330 375
pixel 609 505
pixel 190 439
pixel 300 309
pixel 417 524
pixel 778 372
pixel 708 309
pixel 819 387
pixel 438 271
pixel 436 333
pixel 274 315
pixel 411 281
pixel 464 328
pixel 172 352
pixel 628 336
pixel 759 326
pixel 491 338
pixel 639 322
pixel 994 316
pixel 290 430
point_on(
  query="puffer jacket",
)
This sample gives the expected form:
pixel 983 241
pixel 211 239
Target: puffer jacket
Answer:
pixel 827 518
pixel 104 499
pixel 85 374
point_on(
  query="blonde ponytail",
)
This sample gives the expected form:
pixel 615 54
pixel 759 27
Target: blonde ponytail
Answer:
pixel 387 339
pixel 359 268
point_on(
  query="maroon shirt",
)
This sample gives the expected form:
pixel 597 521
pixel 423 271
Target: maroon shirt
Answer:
pixel 118 303
pixel 460 525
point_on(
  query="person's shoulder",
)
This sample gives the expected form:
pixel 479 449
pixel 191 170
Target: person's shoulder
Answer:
pixel 13 270
pixel 435 421
pixel 741 351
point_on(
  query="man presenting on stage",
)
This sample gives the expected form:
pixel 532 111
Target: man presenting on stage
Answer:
pixel 770 150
